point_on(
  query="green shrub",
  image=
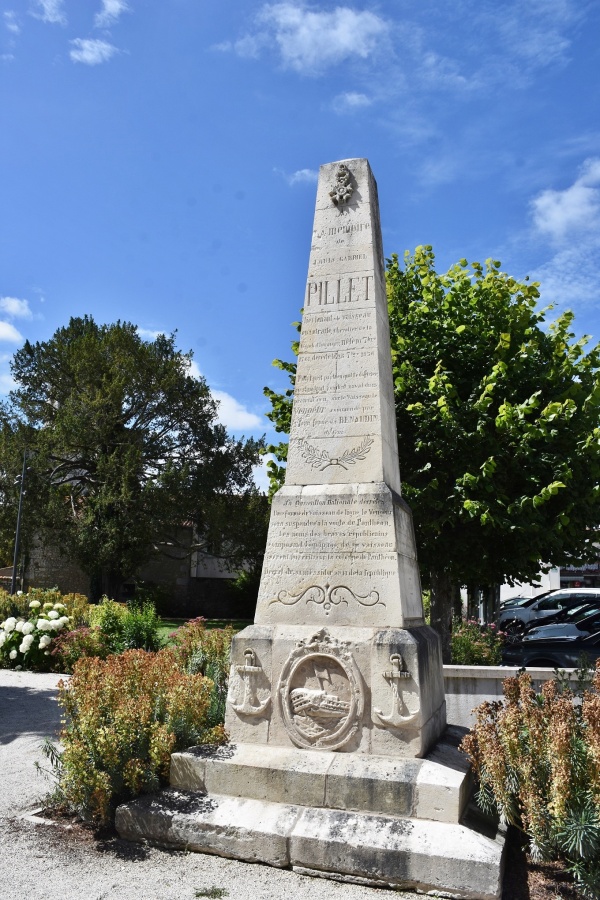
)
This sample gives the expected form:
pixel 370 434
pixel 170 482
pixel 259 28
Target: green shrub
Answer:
pixel 537 760
pixel 127 627
pixel 125 716
pixel 206 651
pixel 476 645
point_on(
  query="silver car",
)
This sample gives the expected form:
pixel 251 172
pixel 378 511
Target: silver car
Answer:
pixel 513 620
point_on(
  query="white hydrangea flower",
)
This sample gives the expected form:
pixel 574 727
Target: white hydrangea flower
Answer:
pixel 19 625
pixel 35 604
pixel 43 625
pixel 53 614
pixel 2 637
pixel 59 606
pixel 26 643
pixel 55 625
pixel 28 627
pixel 10 624
pixel 64 620
pixel 13 654
pixel 44 641
pixel 48 605
pixel 19 593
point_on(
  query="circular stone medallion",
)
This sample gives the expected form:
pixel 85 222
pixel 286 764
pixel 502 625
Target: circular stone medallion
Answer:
pixel 320 698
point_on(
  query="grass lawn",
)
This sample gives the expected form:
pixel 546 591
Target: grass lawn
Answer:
pixel 169 625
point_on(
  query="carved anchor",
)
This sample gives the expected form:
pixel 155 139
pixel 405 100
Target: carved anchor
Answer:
pixel 250 706
pixel 398 673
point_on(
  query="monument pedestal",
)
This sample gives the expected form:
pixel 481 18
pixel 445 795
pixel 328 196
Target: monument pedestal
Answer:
pixel 338 764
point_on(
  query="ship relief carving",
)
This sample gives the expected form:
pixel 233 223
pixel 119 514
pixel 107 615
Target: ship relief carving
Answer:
pixel 342 190
pixel 250 689
pixel 399 680
pixel 320 694
pixel 327 597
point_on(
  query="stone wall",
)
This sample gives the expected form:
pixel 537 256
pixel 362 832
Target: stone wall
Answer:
pixel 467 687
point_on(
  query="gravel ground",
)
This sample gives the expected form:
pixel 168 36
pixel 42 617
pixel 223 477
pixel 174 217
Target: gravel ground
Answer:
pixel 54 862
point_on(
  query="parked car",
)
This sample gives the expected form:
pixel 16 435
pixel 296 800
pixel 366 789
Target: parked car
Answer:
pixel 513 620
pixel 557 652
pixel 570 621
pixel 521 601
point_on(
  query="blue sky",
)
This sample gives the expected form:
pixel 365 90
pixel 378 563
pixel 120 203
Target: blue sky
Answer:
pixel 158 160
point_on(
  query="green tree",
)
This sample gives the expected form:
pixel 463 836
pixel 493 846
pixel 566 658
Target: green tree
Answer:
pixel 498 426
pixel 123 446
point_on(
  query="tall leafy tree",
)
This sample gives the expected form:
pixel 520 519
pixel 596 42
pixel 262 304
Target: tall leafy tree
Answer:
pixel 498 426
pixel 123 446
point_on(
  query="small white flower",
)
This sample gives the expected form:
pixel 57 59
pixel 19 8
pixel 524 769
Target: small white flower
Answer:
pixel 10 624
pixel 53 614
pixel 13 654
pixel 46 653
pixel 44 641
pixel 19 593
pixel 27 627
pixel 35 604
pixel 18 668
pixel 19 625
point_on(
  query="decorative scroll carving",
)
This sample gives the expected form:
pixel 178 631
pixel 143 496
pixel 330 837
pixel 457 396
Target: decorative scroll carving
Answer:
pixel 342 189
pixel 395 678
pixel 319 693
pixel 315 457
pixel 328 596
pixel 250 675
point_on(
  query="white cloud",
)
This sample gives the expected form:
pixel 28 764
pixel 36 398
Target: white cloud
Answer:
pixel 350 102
pixel 571 278
pixel 7 383
pixel 301 176
pixel 259 473
pixel 148 334
pixel 233 415
pixel 16 309
pixel 559 214
pixel 91 52
pixel 8 332
pixel 310 40
pixel 194 369
pixel 110 12
pixel 51 11
pixel 10 21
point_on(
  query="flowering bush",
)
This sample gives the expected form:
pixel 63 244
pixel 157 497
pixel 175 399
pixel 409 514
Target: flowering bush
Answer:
pixel 18 605
pixel 476 645
pixel 125 716
pixel 537 759
pixel 25 643
pixel 69 646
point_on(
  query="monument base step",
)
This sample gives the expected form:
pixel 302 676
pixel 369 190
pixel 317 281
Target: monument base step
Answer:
pixel 436 787
pixel 380 850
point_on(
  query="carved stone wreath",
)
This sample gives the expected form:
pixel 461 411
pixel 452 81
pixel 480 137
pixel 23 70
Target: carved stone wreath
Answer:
pixel 320 697
pixel 321 459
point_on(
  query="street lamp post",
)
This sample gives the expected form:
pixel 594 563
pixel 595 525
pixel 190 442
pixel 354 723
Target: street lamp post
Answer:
pixel 13 584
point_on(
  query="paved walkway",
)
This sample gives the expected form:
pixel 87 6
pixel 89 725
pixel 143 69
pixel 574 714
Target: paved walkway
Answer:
pixel 40 862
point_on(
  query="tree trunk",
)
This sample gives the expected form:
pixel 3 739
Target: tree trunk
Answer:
pixel 441 610
pixel 472 601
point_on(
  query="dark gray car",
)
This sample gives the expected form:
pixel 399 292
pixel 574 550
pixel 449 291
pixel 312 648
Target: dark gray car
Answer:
pixel 514 620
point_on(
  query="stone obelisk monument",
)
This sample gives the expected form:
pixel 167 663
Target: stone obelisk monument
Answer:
pixel 338 763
